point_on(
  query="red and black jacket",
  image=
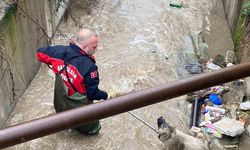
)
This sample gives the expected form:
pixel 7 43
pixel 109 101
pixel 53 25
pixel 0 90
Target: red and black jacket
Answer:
pixel 82 70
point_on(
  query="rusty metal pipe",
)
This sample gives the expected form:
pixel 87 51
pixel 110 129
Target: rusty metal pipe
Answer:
pixel 51 124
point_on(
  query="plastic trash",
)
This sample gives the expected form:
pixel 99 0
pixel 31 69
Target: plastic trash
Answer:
pixel 215 99
pixel 216 109
pixel 214 132
pixel 245 106
pixel 239 82
pixel 217 89
pixel 212 66
pixel 212 116
pixel 229 64
pixel 194 68
pixel 207 117
pixel 229 57
pixel 195 129
pixel 211 129
pixel 220 61
pixel 210 125
pixel 175 4
pixel 203 123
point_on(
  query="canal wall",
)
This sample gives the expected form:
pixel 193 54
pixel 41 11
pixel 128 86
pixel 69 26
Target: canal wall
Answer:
pixel 24 26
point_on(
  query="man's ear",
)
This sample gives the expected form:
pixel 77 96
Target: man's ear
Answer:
pixel 84 48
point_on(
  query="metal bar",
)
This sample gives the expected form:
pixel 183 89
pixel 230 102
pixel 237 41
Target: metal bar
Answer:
pixel 195 112
pixel 144 122
pixel 51 124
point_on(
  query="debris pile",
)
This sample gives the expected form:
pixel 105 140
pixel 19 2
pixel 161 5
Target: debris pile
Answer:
pixel 220 114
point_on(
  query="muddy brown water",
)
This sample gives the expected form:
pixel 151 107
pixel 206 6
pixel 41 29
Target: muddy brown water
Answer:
pixel 139 44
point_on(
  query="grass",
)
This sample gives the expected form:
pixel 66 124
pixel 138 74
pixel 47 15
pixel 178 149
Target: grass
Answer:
pixel 239 31
pixel 245 11
pixel 10 12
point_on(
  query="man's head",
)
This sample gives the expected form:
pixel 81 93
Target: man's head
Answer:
pixel 87 40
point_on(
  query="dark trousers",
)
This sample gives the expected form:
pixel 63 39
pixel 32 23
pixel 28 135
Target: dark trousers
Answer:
pixel 64 102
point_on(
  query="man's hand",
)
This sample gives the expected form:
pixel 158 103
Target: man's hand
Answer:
pixel 113 94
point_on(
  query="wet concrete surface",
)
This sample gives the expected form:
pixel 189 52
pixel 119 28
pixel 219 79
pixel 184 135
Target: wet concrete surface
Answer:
pixel 138 49
pixel 218 34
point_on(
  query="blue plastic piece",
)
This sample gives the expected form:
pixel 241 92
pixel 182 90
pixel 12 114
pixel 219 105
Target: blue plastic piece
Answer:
pixel 215 99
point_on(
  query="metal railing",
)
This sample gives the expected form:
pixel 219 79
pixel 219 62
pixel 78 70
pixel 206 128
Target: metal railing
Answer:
pixel 51 124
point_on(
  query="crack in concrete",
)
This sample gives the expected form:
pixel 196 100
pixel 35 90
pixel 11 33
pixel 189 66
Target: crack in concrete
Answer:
pixel 7 59
pixel 13 85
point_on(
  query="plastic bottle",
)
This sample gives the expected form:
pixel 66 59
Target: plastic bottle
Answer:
pixel 216 109
pixel 215 99
pixel 177 5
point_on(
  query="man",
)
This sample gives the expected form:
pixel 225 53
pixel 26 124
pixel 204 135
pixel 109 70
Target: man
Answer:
pixel 76 75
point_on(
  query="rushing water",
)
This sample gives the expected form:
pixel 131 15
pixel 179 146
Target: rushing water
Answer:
pixel 139 44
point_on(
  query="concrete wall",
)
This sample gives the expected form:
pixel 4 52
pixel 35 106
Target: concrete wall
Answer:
pixel 232 10
pixel 19 39
pixel 54 10
pixel 218 37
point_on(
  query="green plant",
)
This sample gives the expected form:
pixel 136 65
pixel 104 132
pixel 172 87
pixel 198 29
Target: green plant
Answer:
pixel 239 31
pixel 246 8
pixel 11 10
